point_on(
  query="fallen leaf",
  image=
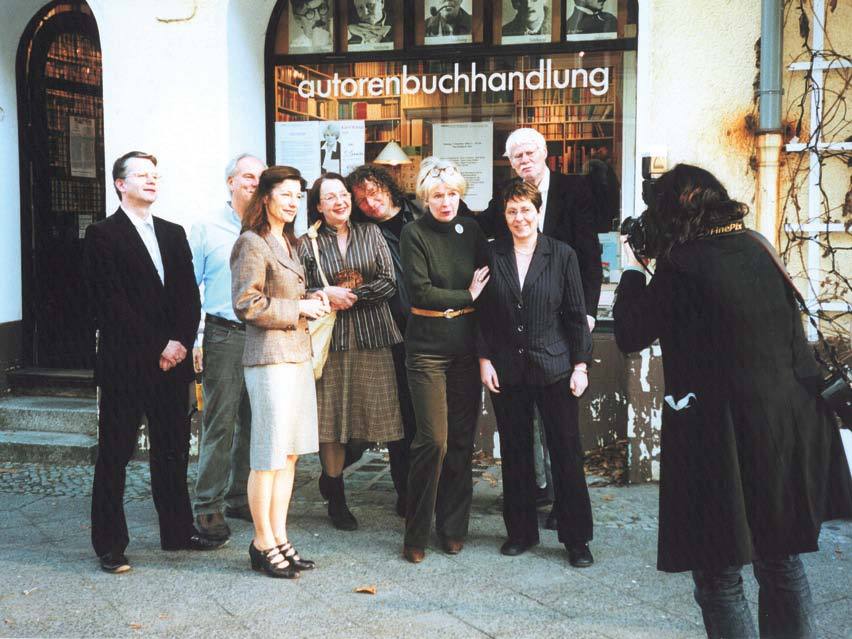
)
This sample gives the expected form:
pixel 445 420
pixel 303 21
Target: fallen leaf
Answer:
pixel 136 626
pixel 367 590
pixel 8 622
pixel 163 615
pixel 608 497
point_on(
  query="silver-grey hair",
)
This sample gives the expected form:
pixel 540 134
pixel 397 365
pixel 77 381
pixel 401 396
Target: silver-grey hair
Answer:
pixel 525 136
pixel 231 169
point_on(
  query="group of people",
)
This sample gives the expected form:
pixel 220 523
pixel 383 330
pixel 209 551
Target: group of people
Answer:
pixel 427 310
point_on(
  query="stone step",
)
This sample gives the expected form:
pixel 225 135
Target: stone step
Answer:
pixel 71 415
pixel 65 382
pixel 47 447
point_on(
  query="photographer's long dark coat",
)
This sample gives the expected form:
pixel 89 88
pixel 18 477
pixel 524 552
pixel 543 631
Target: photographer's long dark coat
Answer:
pixel 755 456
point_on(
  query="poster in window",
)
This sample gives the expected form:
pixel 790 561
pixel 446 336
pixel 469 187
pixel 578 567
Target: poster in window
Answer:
pixel 447 21
pixel 319 147
pixel 370 25
pixel 591 19
pixel 470 146
pixel 81 147
pixel 311 26
pixel 526 21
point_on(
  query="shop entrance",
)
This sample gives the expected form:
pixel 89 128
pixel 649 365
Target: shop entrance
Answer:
pixel 60 108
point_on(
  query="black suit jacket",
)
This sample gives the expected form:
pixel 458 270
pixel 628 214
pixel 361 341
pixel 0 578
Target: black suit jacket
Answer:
pixel 570 218
pixel 136 314
pixel 533 335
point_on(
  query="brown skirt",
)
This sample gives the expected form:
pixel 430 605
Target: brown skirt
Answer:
pixel 357 398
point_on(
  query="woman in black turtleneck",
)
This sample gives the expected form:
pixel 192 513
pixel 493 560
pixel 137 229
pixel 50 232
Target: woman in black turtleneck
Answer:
pixel 443 260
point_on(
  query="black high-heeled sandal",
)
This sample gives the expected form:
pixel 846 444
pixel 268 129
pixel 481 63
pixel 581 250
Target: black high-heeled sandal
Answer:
pixel 263 560
pixel 292 555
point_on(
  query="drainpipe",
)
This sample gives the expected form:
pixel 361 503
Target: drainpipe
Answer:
pixel 769 138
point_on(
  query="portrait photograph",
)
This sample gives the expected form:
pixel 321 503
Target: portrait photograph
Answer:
pixel 591 19
pixel 311 26
pixel 526 21
pixel 370 25
pixel 447 21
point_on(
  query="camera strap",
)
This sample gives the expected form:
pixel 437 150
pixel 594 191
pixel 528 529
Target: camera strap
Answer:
pixel 834 367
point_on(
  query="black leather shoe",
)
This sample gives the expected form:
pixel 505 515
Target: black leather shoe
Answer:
pixel 513 548
pixel 579 555
pixel 197 542
pixel 115 563
pixel 238 512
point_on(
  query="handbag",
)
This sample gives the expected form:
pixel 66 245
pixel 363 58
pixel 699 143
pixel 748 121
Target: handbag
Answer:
pixel 835 382
pixel 321 329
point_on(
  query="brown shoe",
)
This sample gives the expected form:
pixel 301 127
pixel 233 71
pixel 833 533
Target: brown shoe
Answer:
pixel 213 526
pixel 413 554
pixel 452 546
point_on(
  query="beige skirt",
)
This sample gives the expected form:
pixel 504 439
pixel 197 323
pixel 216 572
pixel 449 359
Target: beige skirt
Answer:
pixel 357 397
pixel 283 413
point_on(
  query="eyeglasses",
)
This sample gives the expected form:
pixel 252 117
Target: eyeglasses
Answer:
pixel 436 172
pixel 331 198
pixel 145 176
pixel 310 14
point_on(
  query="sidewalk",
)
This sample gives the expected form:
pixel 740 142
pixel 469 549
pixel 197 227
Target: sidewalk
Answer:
pixel 50 585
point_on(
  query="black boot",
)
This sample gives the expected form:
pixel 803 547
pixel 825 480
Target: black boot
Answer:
pixel 326 486
pixel 341 517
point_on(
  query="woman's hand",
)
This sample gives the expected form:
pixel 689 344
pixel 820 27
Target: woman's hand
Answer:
pixel 340 298
pixel 321 295
pixel 313 308
pixel 480 279
pixel 488 375
pixel 579 381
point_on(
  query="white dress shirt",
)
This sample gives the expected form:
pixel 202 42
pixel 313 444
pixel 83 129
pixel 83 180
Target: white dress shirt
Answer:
pixel 145 228
pixel 543 188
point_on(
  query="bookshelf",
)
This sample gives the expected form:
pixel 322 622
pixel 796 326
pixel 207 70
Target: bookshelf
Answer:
pixel 574 122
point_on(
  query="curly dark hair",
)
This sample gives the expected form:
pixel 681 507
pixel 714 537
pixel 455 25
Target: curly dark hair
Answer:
pixel 378 176
pixel 690 202
pixel 314 194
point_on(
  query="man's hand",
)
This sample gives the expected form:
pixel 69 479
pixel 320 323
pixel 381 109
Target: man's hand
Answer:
pixel 197 359
pixel 488 375
pixel 173 354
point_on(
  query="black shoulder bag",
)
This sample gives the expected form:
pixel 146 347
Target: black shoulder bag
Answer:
pixel 836 381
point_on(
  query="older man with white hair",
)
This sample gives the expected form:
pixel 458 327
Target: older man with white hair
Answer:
pixel 223 453
pixel 567 210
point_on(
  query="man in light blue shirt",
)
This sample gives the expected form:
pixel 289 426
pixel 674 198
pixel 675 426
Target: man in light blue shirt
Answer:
pixel 223 456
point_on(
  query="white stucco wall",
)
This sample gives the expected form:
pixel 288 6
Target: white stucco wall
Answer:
pixel 188 91
pixel 696 65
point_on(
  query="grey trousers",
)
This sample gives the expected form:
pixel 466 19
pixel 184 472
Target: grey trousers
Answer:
pixel 223 453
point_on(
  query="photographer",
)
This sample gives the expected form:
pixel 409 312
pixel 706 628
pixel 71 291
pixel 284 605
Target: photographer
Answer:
pixel 752 462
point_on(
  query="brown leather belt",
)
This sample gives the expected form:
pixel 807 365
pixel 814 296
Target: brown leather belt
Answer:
pixel 449 313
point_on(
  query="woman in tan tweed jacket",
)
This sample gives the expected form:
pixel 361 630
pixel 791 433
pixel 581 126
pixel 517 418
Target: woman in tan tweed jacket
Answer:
pixel 268 291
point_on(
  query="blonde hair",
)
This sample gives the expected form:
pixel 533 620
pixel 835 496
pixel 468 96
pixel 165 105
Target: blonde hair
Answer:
pixel 447 173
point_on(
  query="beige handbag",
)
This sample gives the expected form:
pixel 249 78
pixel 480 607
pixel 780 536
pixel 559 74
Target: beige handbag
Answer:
pixel 321 329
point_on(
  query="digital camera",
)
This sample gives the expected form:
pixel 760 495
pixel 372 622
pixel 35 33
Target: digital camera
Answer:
pixel 640 236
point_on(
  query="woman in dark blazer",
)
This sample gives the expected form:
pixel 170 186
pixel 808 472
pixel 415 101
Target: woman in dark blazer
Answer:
pixel 751 461
pixel 534 347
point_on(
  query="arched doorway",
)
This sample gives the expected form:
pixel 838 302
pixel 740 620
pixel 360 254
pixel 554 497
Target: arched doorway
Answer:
pixel 60 102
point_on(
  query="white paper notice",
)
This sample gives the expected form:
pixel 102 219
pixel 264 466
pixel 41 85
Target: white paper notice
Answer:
pixel 470 146
pixel 81 147
pixel 317 147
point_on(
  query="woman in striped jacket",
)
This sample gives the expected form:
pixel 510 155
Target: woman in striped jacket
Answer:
pixel 356 395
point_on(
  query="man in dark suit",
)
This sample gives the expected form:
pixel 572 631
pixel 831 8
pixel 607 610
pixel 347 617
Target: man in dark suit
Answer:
pixel 146 308
pixel 589 17
pixel 567 214
pixel 568 211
